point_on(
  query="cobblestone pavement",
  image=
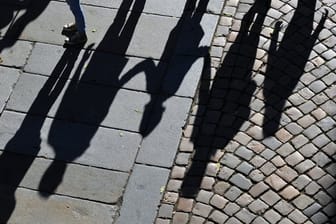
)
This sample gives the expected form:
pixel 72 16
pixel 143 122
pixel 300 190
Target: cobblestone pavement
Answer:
pixel 259 145
pixel 89 135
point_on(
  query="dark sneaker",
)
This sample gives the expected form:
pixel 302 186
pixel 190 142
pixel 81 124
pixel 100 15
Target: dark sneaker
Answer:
pixel 76 39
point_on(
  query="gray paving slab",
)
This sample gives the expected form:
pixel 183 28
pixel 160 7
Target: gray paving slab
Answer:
pixel 159 147
pixel 8 77
pixel 99 67
pixel 142 195
pixel 78 181
pixel 100 103
pixel 183 75
pixel 145 30
pixel 16 55
pixel 71 142
pixel 196 34
pixel 31 208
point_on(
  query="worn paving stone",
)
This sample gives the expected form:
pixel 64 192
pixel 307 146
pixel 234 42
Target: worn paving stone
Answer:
pixel 108 148
pixel 73 100
pixel 99 67
pixel 143 188
pixel 8 78
pixel 58 209
pixel 170 126
pixel 16 55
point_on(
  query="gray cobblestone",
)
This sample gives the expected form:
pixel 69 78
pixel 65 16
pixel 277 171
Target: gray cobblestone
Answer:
pixel 312 188
pixel 245 216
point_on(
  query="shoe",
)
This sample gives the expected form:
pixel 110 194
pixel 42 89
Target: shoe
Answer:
pixel 70 27
pixel 76 39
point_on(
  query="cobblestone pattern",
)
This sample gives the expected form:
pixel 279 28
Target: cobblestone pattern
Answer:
pixel 285 177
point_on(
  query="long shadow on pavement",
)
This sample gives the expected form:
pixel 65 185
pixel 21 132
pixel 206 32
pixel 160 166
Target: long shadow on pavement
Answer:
pixel 286 62
pixel 233 87
pixel 9 16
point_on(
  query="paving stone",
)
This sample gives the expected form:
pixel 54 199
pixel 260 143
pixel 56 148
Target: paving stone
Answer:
pixel 312 188
pixel 301 182
pixel 244 153
pixel 304 166
pixel 241 181
pixel 233 193
pixel 166 211
pixel 162 221
pixel 303 201
pixel 289 193
pixel 8 78
pixel 297 216
pixel 180 218
pixel 174 185
pixel 259 220
pixel 204 196
pixel 182 158
pixel 285 149
pixel 33 88
pixel 185 204
pixel 245 216
pixel 268 154
pixel 329 107
pixel 330 209
pixel 318 113
pixel 312 132
pixel 231 208
pixel 272 143
pixel 272 216
pixel 278 161
pixel 57 209
pixel 294 129
pixel 170 197
pixel 258 207
pixel 178 172
pixel 313 209
pixel 108 148
pixel 257 161
pixel 207 183
pixel 323 198
pixel 244 200
pixel 257 175
pixel 268 168
pixel 202 210
pixel 285 221
pixel 233 220
pixel 245 168
pixel 143 188
pixel 299 141
pixel 308 150
pixel 196 220
pixel 283 207
pixel 326 124
pixel 321 141
pixel 112 68
pixel 230 160
pixel 270 197
pixel 16 55
pixel 221 187
pixel 321 159
pixel 170 125
pixel 287 173
pixel 218 217
pixel 316 173
pixel 283 135
pixel 218 201
pixel 258 189
pixel 306 121
pixel 319 218
pixel 225 173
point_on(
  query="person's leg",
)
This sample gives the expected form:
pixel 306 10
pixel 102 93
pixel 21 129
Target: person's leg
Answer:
pixel 78 14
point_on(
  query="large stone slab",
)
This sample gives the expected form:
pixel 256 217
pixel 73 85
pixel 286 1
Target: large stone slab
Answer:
pixel 70 142
pixel 78 181
pixel 160 146
pixel 184 73
pixel 16 55
pixel 142 195
pixel 196 35
pixel 8 78
pixel 31 208
pixel 93 104
pixel 96 67
pixel 139 35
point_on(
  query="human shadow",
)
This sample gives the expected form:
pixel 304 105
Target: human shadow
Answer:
pixel 89 96
pixel 27 140
pixel 233 87
pixel 188 32
pixel 9 15
pixel 286 62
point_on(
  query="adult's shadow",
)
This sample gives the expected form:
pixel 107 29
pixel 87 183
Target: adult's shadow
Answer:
pixel 9 16
pixel 234 87
pixel 286 62
pixel 27 140
pixel 89 95
pixel 189 21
